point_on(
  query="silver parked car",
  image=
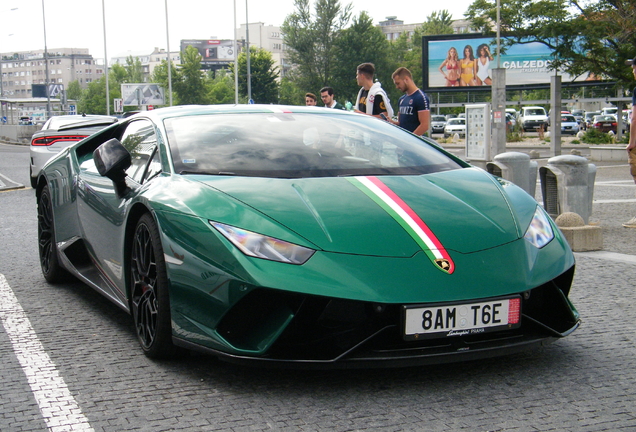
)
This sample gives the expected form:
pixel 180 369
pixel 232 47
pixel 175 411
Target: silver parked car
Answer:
pixel 569 124
pixel 60 132
pixel 437 123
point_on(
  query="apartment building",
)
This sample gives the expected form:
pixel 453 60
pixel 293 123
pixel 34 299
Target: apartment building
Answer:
pixel 149 61
pixel 393 27
pixel 22 69
pixel 269 38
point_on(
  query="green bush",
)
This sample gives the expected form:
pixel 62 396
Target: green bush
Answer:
pixel 594 136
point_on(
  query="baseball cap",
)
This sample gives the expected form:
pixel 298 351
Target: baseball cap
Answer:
pixel 630 62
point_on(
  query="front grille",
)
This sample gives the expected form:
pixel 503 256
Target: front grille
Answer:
pixel 325 329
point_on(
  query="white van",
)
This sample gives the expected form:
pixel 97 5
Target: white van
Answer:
pixel 533 118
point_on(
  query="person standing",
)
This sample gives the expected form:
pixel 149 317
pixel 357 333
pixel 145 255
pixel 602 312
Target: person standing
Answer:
pixel 631 147
pixel 414 108
pixel 310 99
pixel 326 94
pixel 372 99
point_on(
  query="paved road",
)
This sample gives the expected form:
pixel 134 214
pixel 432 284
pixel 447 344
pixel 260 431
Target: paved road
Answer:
pixel 87 371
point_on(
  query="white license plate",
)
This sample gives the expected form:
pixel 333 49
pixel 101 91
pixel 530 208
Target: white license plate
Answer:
pixel 461 319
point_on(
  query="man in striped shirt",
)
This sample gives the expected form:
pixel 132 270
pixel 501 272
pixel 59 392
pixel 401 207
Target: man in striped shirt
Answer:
pixel 414 107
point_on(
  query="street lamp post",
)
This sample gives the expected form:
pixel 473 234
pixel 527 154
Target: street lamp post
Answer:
pixel 247 42
pixel 235 60
pixel 169 58
pixel 46 67
pixel 106 60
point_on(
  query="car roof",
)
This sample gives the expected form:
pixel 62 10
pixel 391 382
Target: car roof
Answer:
pixel 186 110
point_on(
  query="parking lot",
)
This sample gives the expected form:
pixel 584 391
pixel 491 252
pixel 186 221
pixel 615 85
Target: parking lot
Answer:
pixel 89 352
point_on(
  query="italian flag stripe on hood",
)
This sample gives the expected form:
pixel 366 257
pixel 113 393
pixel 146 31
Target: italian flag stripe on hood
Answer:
pixel 407 218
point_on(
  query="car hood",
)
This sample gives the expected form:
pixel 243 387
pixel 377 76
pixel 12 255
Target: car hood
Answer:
pixel 464 210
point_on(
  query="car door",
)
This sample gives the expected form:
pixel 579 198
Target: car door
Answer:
pixel 102 212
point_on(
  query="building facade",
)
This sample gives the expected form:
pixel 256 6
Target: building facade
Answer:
pixel 269 38
pixel 149 61
pixel 22 69
pixel 393 27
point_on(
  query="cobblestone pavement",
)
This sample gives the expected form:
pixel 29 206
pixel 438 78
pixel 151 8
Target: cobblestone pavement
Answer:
pixel 584 382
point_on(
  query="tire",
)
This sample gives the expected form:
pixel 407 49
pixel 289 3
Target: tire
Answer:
pixel 49 260
pixel 150 300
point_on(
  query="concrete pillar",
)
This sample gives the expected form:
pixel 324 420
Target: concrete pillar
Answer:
pixel 498 142
pixel 555 115
pixel 567 185
pixel 517 168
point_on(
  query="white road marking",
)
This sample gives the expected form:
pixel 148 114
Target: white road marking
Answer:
pixel 57 405
pixel 611 256
pixel 615 201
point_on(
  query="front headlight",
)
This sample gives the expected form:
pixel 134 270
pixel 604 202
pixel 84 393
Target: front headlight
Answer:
pixel 260 246
pixel 540 232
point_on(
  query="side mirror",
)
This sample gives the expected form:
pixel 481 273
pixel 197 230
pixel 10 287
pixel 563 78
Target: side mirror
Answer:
pixel 112 160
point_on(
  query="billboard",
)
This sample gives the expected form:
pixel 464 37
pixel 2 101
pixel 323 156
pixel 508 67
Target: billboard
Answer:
pixel 39 90
pixel 215 52
pixel 142 94
pixel 525 63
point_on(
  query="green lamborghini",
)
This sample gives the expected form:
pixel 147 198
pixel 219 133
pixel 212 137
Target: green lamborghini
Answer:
pixel 302 236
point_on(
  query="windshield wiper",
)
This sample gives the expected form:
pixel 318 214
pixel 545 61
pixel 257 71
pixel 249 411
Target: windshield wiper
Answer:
pixel 222 173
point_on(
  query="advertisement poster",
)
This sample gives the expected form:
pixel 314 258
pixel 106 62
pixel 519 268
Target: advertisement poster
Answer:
pixel 214 52
pixel 466 61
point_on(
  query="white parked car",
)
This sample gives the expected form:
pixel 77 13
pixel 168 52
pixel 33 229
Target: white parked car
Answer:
pixel 455 126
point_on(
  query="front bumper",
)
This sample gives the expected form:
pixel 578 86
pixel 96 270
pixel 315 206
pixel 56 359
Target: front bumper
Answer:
pixel 319 332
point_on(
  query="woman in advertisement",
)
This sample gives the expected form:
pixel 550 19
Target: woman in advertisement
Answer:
pixel 469 68
pixel 452 68
pixel 483 65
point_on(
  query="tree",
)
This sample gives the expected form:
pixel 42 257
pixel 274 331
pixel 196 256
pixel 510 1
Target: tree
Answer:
pixel 406 50
pixel 160 76
pixel 438 23
pixel 221 88
pixel 361 43
pixel 190 85
pixel 74 91
pixel 311 40
pixel 93 99
pixel 117 75
pixel 263 76
pixel 585 38
pixel 290 93
pixel 134 70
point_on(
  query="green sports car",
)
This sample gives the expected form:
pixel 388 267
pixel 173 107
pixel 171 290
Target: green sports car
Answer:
pixel 302 236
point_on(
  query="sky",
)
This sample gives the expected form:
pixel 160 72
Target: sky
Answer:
pixel 138 26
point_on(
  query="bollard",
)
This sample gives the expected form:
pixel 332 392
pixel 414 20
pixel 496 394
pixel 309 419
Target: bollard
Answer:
pixel 567 185
pixel 517 168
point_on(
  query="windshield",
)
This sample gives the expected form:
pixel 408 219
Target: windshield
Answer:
pixel 296 145
pixel 535 112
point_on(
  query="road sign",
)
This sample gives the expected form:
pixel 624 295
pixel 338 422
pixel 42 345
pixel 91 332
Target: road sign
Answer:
pixel 118 105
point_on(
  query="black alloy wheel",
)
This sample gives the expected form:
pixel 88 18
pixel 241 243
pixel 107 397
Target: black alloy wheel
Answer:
pixel 150 302
pixel 49 261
